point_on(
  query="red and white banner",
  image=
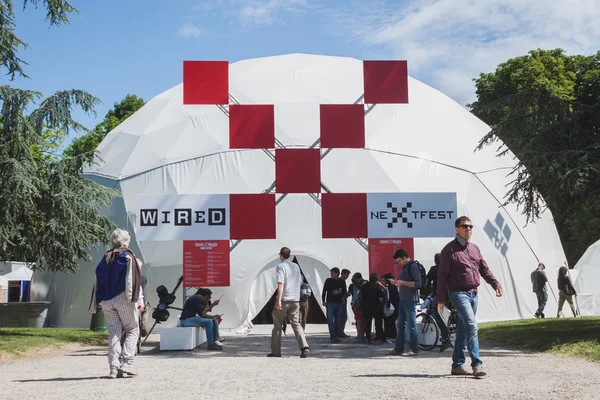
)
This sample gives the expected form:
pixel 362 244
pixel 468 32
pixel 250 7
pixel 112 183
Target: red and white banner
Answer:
pixel 205 217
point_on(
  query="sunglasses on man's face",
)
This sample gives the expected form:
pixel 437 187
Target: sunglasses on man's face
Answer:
pixel 465 226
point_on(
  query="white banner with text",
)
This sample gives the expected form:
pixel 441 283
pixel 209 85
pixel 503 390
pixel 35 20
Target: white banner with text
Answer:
pixel 411 215
pixel 182 217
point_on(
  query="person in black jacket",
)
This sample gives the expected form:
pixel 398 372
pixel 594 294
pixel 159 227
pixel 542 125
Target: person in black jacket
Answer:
pixel 373 294
pixel 432 276
pixel 389 323
pixel 334 290
pixel 566 291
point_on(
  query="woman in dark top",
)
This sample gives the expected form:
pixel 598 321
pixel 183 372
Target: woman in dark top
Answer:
pixel 566 291
pixel 373 293
pixel 389 323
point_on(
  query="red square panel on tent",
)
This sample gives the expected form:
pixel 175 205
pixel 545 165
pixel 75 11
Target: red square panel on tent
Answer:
pixel 344 215
pixel 342 126
pixel 386 82
pixel 251 126
pixel 252 216
pixel 298 170
pixel 205 82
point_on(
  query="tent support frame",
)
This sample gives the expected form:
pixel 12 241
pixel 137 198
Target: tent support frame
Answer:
pixel 316 197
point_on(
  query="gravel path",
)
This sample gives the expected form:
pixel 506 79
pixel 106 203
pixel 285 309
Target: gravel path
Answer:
pixel 242 371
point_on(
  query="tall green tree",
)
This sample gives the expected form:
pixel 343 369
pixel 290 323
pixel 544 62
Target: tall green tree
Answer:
pixel 49 215
pixel 545 108
pixel 120 112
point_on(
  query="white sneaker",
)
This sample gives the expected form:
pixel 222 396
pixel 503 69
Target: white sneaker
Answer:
pixel 218 343
pixel 127 369
pixel 113 373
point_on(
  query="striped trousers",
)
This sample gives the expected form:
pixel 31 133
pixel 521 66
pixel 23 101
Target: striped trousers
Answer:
pixel 121 315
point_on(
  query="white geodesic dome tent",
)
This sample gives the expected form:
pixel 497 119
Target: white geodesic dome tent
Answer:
pixel 587 270
pixel 424 146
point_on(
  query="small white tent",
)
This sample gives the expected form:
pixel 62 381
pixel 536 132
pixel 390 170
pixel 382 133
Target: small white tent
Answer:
pixel 588 275
pixel 426 145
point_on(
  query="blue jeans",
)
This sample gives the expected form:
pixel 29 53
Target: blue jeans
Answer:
pixel 211 326
pixel 334 316
pixel 343 319
pixel 407 320
pixel 542 298
pixel 466 331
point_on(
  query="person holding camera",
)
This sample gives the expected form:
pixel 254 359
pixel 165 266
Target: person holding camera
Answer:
pixel 195 313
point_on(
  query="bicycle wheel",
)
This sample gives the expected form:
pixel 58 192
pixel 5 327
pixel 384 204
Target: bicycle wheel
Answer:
pixel 452 327
pixel 428 332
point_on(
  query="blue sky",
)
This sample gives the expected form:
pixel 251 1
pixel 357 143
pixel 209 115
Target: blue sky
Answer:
pixel 114 48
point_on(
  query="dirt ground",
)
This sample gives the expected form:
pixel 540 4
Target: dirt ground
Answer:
pixel 334 371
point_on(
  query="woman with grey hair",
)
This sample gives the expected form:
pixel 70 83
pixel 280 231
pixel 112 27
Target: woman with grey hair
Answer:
pixel 118 291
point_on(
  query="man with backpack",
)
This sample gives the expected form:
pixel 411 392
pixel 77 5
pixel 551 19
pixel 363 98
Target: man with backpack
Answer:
pixel 409 283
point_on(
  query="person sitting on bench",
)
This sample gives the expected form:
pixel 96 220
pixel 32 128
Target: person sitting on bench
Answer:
pixel 195 313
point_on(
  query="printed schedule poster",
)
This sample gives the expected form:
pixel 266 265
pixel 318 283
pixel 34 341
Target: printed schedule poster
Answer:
pixel 205 263
pixel 381 252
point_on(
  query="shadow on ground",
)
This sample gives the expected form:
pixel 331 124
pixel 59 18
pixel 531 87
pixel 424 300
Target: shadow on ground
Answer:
pixel 253 345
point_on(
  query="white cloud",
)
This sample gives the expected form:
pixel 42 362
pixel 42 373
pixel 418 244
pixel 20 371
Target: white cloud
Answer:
pixel 250 13
pixel 260 12
pixel 189 30
pixel 449 42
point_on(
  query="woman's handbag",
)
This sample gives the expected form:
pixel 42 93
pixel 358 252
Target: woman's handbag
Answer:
pixel 567 290
pixel 388 308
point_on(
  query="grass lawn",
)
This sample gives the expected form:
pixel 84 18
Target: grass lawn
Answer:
pixel 575 337
pixel 20 341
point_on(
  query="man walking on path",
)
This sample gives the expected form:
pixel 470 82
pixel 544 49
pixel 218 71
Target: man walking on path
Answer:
pixel 334 290
pixel 461 266
pixel 289 279
pixel 538 280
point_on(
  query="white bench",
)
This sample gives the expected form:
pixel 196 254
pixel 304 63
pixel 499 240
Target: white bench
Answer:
pixel 180 338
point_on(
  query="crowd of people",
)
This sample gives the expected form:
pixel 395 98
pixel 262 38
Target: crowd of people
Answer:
pixel 390 304
pixel 384 304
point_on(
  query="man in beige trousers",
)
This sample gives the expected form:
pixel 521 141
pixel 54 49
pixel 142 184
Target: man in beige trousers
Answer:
pixel 289 280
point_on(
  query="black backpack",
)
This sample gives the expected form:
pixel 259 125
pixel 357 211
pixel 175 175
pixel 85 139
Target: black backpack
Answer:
pixel 424 291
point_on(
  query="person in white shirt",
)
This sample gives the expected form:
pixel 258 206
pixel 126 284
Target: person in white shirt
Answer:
pixel 289 279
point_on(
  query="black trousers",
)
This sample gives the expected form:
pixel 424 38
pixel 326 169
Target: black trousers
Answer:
pixel 368 320
pixel 389 326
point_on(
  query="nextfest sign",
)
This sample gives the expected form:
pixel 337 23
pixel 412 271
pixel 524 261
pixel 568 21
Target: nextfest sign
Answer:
pixel 411 215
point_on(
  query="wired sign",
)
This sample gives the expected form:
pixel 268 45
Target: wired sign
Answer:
pixel 182 217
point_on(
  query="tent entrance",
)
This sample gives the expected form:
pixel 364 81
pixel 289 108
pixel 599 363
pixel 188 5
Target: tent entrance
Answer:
pixel 315 315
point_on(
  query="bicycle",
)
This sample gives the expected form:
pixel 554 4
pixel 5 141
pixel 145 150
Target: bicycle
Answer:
pixel 429 331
